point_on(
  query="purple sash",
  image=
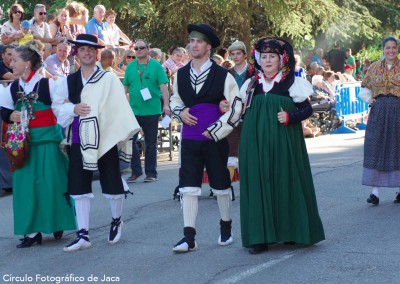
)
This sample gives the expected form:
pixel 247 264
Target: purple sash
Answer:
pixel 206 115
pixel 75 131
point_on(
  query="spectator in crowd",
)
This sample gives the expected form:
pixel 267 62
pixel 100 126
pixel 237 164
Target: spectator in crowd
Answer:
pixel 298 70
pixel 381 89
pixel 26 33
pixel 359 70
pixel 106 62
pixel 188 54
pixel 320 70
pixel 51 18
pixel 145 81
pixel 96 26
pixel 127 57
pixel 78 17
pixel 39 185
pixel 224 53
pixel 57 64
pixel 329 83
pixel 60 27
pixel 41 29
pixel 367 64
pixel 175 60
pixel 275 174
pixel 309 130
pixel 351 61
pixel 228 64
pixel 348 73
pixel 156 54
pixel 1 17
pixel 11 30
pixel 313 68
pixel 337 59
pixel 6 72
pixel 115 34
pixel 317 57
pixel 218 59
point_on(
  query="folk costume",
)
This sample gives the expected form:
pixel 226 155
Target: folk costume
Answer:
pixel 39 186
pixel 202 93
pixel 94 140
pixel 381 166
pixel 277 198
pixel 240 76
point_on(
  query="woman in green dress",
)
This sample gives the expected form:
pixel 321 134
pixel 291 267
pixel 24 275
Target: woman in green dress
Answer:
pixel 38 186
pixel 277 197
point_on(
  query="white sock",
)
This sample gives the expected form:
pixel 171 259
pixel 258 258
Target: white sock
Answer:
pixel 190 207
pixel 375 191
pixel 224 205
pixel 82 208
pixel 116 205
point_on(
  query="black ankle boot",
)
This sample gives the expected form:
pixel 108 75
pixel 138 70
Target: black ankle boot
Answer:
pixel 187 243
pixel 58 235
pixel 258 248
pixel 226 235
pixel 27 241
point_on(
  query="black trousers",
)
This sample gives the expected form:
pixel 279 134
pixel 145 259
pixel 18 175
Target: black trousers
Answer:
pixel 80 180
pixel 213 155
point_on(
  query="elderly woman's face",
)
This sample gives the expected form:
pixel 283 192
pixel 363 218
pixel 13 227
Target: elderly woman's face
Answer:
pixel 111 19
pixel 17 64
pixel 177 57
pixel 390 50
pixel 270 63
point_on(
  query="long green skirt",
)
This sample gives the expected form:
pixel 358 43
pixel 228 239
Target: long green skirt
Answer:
pixel 38 187
pixel 277 197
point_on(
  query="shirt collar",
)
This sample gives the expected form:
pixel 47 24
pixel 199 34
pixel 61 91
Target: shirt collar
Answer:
pixel 203 67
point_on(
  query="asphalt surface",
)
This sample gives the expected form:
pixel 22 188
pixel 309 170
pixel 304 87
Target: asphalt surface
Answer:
pixel 361 243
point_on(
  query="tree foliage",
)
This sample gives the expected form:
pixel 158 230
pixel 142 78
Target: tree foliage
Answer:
pixel 304 22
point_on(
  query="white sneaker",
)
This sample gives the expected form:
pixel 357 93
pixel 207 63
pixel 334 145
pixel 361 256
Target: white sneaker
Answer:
pixel 81 242
pixel 183 246
pixel 225 243
pixel 115 231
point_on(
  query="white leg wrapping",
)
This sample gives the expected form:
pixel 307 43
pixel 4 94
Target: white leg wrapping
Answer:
pixel 82 208
pixel 224 200
pixel 116 204
pixel 190 208
pixel 375 191
pixel 126 186
pixel 32 235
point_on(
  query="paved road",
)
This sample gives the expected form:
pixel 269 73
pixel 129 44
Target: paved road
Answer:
pixel 361 243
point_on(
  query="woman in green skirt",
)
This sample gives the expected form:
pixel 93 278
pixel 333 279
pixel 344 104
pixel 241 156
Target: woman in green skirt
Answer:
pixel 277 197
pixel 39 185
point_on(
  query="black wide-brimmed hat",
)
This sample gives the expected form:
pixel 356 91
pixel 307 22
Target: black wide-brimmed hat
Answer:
pixel 207 31
pixel 86 39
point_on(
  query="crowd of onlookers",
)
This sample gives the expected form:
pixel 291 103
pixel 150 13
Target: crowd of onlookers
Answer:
pixel 50 34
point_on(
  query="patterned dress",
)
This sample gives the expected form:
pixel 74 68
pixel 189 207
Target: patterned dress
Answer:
pixel 382 135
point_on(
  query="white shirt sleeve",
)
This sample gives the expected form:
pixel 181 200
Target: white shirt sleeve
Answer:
pixel 62 108
pixel 300 90
pixel 365 94
pixel 6 100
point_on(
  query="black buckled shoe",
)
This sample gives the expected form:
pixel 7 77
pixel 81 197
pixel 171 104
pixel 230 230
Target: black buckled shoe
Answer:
pixel 27 241
pixel 257 249
pixel 373 199
pixel 115 231
pixel 397 199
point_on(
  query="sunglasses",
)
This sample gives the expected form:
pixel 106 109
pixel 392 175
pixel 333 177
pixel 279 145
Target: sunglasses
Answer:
pixel 140 47
pixel 130 57
pixel 42 13
pixel 18 12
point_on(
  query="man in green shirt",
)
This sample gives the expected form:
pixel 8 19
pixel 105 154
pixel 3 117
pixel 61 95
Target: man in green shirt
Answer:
pixel 145 82
pixel 351 61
